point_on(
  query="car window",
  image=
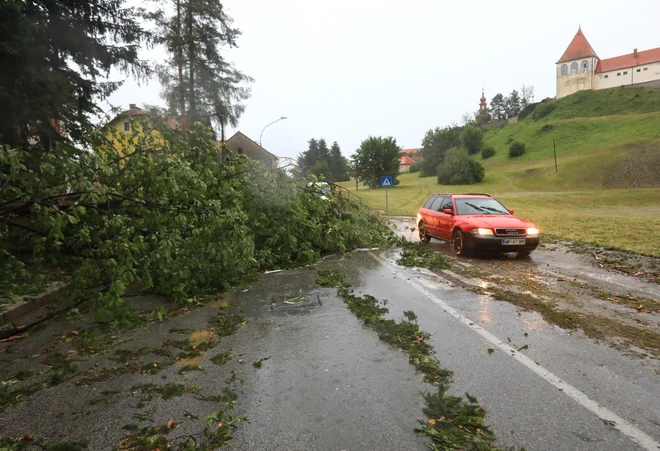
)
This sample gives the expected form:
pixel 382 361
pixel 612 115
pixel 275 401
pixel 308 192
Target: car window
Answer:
pixel 480 206
pixel 429 202
pixel 436 203
pixel 447 204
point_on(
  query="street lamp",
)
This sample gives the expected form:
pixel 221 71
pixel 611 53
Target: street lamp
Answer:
pixel 262 131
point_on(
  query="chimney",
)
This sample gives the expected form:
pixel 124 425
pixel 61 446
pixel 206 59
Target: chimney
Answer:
pixel 635 54
pixel 132 105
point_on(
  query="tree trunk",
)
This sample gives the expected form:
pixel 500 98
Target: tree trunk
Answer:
pixel 191 67
pixel 182 89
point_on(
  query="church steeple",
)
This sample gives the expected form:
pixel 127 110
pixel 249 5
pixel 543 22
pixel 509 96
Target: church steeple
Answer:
pixel 482 104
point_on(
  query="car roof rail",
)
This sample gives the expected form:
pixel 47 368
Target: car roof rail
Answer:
pixel 441 194
pixel 474 194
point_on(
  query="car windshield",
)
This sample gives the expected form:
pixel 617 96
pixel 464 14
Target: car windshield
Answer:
pixel 480 206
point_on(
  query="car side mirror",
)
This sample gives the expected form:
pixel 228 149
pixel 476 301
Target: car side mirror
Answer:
pixel 447 211
pixel 511 211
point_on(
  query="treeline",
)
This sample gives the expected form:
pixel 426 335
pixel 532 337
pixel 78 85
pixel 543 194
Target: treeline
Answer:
pixel 322 162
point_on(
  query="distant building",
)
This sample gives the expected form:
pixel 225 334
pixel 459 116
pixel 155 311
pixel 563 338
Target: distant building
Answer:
pixel 404 163
pixel 580 68
pixel 123 125
pixel 483 116
pixel 240 144
pixel 414 153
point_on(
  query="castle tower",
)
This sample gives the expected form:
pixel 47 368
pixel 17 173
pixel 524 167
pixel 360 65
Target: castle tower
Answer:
pixel 575 68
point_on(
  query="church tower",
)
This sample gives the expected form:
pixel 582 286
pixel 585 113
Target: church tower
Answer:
pixel 483 116
pixel 575 68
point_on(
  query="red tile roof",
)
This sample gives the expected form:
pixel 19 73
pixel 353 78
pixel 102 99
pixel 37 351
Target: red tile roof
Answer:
pixel 404 159
pixel 578 48
pixel 625 61
pixel 134 110
pixel 410 151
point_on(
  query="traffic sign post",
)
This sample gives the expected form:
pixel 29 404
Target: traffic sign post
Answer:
pixel 386 182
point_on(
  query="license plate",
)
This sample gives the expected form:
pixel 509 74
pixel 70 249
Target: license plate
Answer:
pixel 513 241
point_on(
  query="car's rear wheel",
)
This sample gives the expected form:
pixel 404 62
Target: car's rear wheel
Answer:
pixel 458 242
pixel 423 236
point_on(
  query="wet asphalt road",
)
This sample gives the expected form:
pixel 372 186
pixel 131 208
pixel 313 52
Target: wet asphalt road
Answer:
pixel 330 384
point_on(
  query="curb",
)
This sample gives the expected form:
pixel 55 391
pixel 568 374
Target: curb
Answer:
pixel 46 297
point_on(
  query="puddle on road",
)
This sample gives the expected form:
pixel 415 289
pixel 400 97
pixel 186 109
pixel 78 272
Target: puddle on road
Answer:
pixel 605 304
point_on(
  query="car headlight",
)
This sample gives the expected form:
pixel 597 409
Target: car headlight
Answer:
pixel 532 231
pixel 482 232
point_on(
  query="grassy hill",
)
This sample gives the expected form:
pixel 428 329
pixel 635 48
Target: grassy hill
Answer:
pixel 608 142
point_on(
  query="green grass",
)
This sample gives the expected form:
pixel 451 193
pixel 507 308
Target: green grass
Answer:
pixel 590 197
pixel 607 102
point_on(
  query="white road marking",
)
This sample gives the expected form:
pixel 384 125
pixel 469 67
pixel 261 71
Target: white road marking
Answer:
pixel 635 434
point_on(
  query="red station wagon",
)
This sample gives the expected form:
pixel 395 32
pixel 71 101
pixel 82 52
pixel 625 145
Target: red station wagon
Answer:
pixel 475 221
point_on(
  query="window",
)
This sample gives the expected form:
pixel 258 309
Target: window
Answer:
pixel 127 126
pixel 585 66
pixel 646 68
pixel 639 70
pixel 436 203
pixel 606 76
pixel 480 206
pixel 618 74
pixel 574 68
pixel 447 205
pixel 625 73
pixel 429 202
pixel 564 70
pixel 240 151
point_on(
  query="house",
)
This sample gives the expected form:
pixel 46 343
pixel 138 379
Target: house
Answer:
pixel 125 126
pixel 580 68
pixel 240 144
pixel 404 163
pixel 414 153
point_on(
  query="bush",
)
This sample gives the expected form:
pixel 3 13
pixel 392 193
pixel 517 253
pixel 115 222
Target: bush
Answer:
pixel 415 167
pixel 487 152
pixel 516 149
pixel 472 139
pixel 543 110
pixel 459 169
pixel 529 109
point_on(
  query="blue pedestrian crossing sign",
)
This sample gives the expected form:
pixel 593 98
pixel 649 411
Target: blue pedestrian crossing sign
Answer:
pixel 386 181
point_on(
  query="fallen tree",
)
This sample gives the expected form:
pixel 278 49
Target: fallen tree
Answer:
pixel 181 217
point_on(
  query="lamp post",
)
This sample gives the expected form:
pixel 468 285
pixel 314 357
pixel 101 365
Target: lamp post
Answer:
pixel 262 131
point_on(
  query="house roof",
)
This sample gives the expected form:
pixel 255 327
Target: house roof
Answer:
pixel 405 159
pixel 577 49
pixel 239 135
pixel 629 60
pixel 410 151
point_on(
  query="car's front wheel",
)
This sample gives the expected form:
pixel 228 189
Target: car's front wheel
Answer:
pixel 458 241
pixel 423 236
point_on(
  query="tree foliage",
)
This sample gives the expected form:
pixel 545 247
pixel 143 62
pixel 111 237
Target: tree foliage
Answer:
pixel 54 56
pixel 473 139
pixel 459 169
pixel 377 157
pixel 435 144
pixel 199 84
pixel 317 156
pixel 498 107
pixel 512 105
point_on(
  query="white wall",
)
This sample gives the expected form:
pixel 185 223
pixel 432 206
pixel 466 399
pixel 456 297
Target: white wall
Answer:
pixel 629 76
pixel 580 81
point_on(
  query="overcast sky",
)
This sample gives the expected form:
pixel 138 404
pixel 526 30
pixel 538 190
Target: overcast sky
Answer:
pixel 345 70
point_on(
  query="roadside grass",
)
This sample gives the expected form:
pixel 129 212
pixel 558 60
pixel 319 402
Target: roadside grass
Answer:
pixel 453 422
pixel 619 219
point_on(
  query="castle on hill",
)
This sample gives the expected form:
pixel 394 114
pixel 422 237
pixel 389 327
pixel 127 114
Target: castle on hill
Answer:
pixel 580 68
